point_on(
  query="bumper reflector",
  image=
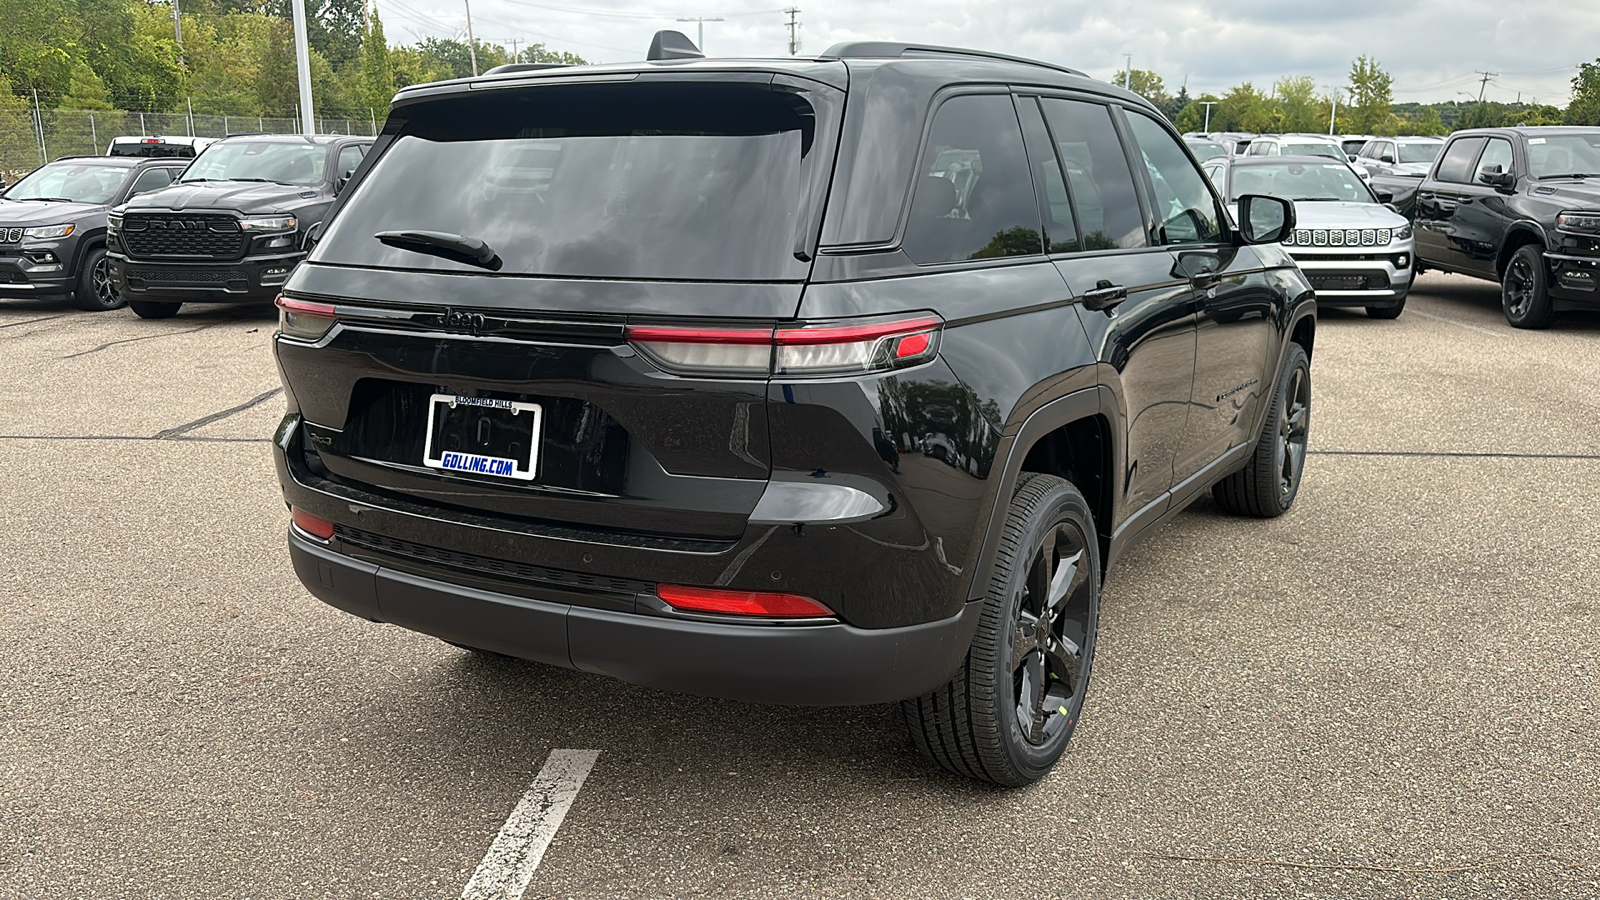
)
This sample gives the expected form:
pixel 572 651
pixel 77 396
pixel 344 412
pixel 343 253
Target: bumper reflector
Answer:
pixel 738 603
pixel 316 526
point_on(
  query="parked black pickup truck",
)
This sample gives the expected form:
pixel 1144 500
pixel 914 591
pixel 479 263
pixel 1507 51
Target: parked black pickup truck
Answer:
pixel 231 229
pixel 1520 206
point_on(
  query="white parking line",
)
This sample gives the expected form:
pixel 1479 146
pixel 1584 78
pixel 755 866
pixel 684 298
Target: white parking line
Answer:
pixel 508 867
pixel 1498 334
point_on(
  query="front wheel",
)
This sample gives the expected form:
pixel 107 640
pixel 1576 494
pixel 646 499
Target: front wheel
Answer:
pixel 146 309
pixel 1009 711
pixel 1523 292
pixel 97 290
pixel 1267 486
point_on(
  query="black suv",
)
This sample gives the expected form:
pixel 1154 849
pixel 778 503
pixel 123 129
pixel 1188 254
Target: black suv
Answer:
pixel 694 374
pixel 53 226
pixel 234 226
pixel 1520 206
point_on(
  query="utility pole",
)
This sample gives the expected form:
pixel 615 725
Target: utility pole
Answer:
pixel 794 30
pixel 302 59
pixel 177 32
pixel 514 56
pixel 472 44
pixel 700 35
pixel 1484 82
pixel 1207 104
pixel 1334 115
pixel 1127 73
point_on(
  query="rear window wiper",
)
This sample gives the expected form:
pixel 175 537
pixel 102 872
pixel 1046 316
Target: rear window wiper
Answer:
pixel 459 247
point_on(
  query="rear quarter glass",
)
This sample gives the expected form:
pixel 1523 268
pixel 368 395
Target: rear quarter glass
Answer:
pixel 699 181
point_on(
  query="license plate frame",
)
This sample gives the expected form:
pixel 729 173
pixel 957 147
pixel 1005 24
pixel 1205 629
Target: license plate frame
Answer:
pixel 521 467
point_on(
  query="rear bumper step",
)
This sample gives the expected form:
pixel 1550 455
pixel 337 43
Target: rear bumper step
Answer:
pixel 815 665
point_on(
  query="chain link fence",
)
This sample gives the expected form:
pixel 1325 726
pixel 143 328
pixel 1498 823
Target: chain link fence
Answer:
pixel 29 138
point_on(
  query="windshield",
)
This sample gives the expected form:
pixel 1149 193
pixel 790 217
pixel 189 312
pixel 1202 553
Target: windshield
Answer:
pixel 282 162
pixel 1564 154
pixel 78 182
pixel 1314 148
pixel 1204 150
pixel 1296 181
pixel 1420 153
pixel 702 181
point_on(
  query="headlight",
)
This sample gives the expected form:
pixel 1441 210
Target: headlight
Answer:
pixel 48 231
pixel 113 223
pixel 1403 234
pixel 261 224
pixel 1586 222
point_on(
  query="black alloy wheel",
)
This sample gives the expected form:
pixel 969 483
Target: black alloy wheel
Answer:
pixel 1524 294
pixel 148 309
pixel 97 290
pixel 1267 485
pixel 1009 712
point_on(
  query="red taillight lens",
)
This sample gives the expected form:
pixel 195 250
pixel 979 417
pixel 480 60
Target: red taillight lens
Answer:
pixel 316 526
pixel 304 320
pixel 741 603
pixel 811 350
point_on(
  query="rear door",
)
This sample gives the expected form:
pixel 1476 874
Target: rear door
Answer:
pixel 1144 332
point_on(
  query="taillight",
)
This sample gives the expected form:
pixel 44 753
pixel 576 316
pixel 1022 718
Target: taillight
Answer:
pixel 741 603
pixel 304 320
pixel 818 349
pixel 316 526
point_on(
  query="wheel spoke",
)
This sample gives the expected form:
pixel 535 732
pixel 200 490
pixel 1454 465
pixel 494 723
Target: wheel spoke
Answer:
pixel 1024 640
pixel 1030 699
pixel 1066 577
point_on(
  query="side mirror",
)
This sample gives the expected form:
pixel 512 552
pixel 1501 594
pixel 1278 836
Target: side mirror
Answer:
pixel 343 180
pixel 1265 220
pixel 1496 176
pixel 313 234
pixel 1387 158
pixel 1385 197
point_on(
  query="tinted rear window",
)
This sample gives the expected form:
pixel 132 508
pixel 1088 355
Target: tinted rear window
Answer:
pixel 677 181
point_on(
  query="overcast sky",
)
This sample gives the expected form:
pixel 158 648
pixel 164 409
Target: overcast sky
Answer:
pixel 1431 47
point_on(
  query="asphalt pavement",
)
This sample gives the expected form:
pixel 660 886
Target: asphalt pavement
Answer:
pixel 1392 691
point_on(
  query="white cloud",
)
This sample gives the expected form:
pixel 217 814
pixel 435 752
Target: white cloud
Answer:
pixel 1431 47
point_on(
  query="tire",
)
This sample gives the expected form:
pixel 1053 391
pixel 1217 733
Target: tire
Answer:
pixel 1387 312
pixel 1008 713
pixel 146 309
pixel 97 290
pixel 1267 486
pixel 1524 294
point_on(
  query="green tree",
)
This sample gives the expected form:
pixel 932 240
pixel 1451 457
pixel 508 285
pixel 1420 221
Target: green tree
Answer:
pixel 1193 115
pixel 1297 98
pixel 1585 106
pixel 1427 121
pixel 85 90
pixel 1243 109
pixel 377 72
pixel 1371 95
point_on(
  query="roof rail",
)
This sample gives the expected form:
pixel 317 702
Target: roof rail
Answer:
pixel 891 50
pixel 523 67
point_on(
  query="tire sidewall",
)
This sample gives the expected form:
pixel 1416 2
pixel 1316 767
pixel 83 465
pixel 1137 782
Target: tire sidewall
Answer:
pixel 86 296
pixel 1061 504
pixel 1296 360
pixel 1537 304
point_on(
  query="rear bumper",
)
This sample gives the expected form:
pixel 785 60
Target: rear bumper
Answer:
pixel 254 279
pixel 830 664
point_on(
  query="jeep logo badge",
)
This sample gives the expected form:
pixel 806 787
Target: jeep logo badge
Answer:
pixel 471 323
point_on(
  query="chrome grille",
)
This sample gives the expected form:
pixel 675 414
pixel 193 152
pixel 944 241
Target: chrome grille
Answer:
pixel 10 235
pixel 1340 237
pixel 183 236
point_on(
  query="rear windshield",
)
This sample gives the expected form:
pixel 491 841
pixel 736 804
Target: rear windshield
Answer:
pixel 666 181
pixel 163 149
pixel 1330 150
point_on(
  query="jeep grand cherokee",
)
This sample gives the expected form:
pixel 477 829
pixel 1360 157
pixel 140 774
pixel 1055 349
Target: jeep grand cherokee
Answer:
pixel 692 373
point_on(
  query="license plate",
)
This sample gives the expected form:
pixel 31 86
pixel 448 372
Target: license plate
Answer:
pixel 483 436
pixel 1340 282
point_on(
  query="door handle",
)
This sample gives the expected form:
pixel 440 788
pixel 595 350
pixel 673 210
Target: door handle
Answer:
pixel 1105 295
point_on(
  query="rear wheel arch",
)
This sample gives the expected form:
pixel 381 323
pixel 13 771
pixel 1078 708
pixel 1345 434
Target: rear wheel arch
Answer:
pixel 1079 452
pixel 1304 333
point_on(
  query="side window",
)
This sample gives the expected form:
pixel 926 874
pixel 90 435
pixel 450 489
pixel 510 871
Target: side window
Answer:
pixel 1496 153
pixel 1456 165
pixel 349 158
pixel 1214 175
pixel 974 198
pixel 1185 209
pixel 1055 207
pixel 1387 149
pixel 149 180
pixel 1097 174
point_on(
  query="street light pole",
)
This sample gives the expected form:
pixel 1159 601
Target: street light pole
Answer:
pixel 1207 104
pixel 700 32
pixel 302 61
